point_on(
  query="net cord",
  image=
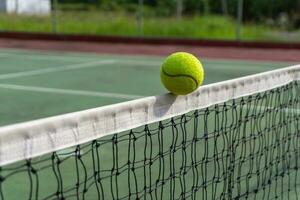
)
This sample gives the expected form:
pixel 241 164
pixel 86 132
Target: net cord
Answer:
pixel 35 138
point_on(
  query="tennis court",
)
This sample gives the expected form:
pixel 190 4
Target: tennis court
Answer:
pixel 41 84
pixel 163 163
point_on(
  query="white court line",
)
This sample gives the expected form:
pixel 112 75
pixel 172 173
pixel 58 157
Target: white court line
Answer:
pixel 69 92
pixel 62 57
pixel 216 63
pixel 54 69
pixel 268 108
pixel 247 67
pixel 286 110
pixel 89 55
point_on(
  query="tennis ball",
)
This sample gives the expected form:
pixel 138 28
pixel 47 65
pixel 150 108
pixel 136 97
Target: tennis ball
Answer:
pixel 181 73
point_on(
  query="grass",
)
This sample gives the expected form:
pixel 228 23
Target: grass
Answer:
pixel 100 23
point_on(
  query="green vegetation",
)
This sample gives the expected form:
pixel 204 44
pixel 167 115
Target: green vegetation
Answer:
pixel 207 19
pixel 258 11
pixel 121 23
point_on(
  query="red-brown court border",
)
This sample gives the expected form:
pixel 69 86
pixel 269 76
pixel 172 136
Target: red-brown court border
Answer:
pixel 147 40
pixel 152 46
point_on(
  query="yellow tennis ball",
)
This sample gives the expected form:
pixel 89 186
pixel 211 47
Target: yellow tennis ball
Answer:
pixel 181 73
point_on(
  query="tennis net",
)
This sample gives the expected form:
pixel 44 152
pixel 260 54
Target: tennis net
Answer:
pixel 238 139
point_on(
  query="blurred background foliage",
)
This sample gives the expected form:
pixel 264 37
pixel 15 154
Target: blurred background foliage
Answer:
pixel 262 11
pixel 267 20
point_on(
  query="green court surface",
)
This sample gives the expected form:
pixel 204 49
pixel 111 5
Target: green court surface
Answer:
pixel 37 84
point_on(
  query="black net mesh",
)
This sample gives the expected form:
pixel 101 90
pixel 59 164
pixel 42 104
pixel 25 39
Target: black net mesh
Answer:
pixel 247 148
